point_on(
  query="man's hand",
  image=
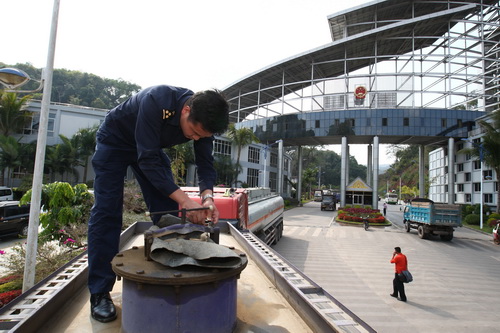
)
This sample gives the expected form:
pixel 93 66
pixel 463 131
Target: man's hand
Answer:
pixel 213 212
pixel 197 216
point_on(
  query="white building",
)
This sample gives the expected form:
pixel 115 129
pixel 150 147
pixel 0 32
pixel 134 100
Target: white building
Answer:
pixel 466 172
pixel 66 119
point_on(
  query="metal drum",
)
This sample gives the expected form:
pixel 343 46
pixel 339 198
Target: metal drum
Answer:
pixel 157 298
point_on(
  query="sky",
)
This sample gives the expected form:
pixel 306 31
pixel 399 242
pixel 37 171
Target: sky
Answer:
pixel 197 44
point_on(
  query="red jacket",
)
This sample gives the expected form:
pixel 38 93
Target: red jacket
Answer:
pixel 401 263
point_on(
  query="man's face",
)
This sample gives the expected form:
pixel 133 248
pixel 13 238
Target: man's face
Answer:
pixel 191 130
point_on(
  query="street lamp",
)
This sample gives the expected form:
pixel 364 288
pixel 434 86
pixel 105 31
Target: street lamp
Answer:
pixel 481 157
pixel 12 78
pixel 265 149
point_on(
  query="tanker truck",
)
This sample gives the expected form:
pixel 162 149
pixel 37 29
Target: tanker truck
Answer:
pixel 255 290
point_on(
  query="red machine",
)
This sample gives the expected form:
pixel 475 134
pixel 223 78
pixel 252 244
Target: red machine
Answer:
pixel 254 209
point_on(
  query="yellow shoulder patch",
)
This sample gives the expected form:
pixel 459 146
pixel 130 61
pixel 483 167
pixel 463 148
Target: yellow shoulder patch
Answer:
pixel 167 114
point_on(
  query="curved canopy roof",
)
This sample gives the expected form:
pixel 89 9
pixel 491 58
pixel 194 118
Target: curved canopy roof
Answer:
pixel 354 33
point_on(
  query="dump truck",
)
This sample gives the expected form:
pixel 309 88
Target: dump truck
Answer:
pixel 261 292
pixel 431 218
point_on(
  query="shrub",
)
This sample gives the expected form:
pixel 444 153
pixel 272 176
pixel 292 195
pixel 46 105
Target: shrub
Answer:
pixel 133 200
pixel 495 216
pixel 472 219
pixel 12 285
pixel 8 278
pixel 9 296
pixel 493 222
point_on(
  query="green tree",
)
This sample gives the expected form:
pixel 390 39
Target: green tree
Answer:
pixel 489 146
pixel 85 140
pixel 62 158
pixel 13 113
pixel 66 212
pixel 240 137
pixel 309 177
pixel 9 156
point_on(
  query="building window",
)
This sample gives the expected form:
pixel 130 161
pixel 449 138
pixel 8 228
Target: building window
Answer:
pixel 477 164
pixel 488 174
pixel 253 155
pixel 477 187
pixel 468 197
pixel 459 123
pixel 317 124
pixel 273 181
pixel 488 198
pixel 446 189
pixel 222 147
pixel 384 121
pixel 443 122
pixel 368 122
pixel 460 146
pixel 32 127
pixel 477 141
pixel 467 176
pixel 274 160
pixel 406 121
pixel 352 122
pixel 460 167
pixel 460 187
pixel 253 177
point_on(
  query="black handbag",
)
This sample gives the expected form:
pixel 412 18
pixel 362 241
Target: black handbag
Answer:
pixel 405 276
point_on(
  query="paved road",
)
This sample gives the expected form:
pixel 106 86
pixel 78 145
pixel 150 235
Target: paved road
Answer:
pixel 455 286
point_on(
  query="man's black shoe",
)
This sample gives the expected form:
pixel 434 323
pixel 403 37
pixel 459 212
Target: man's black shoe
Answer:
pixel 402 300
pixel 102 308
pixel 393 295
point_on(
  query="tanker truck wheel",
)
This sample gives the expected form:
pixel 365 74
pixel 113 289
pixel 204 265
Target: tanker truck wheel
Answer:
pixel 421 232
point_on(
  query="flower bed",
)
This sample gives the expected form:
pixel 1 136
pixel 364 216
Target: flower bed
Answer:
pixel 358 215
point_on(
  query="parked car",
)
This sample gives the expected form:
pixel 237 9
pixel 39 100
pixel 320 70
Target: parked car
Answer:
pixel 6 193
pixel 14 218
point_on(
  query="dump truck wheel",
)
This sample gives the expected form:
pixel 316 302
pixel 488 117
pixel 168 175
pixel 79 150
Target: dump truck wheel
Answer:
pixel 421 232
pixel 448 237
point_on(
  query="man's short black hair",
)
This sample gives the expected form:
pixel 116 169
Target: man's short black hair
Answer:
pixel 211 109
pixel 397 249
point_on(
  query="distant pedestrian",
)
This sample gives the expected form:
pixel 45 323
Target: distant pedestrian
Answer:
pixel 385 208
pixel 401 264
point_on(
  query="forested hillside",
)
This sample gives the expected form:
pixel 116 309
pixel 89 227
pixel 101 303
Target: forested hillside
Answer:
pixel 405 168
pixel 74 87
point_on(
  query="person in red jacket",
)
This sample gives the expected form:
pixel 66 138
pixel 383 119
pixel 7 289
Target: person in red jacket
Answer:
pixel 401 264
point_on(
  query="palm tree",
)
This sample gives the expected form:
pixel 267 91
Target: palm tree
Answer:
pixel 13 113
pixel 489 148
pixel 241 137
pixel 85 140
pixel 62 158
pixel 9 155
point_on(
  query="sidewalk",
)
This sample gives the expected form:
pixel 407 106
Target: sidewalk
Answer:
pixel 453 288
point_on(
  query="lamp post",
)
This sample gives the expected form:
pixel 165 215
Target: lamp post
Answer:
pixel 481 199
pixel 13 78
pixel 265 149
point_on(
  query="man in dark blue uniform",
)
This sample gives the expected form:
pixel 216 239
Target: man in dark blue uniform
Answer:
pixel 133 134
